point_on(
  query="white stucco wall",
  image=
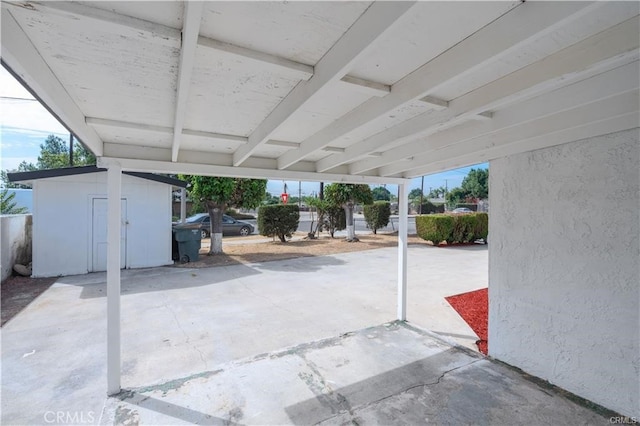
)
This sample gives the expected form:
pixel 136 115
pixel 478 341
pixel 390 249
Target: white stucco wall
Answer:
pixel 62 223
pixel 15 242
pixel 564 268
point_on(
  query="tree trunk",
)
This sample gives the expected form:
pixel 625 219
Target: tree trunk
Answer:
pixel 215 214
pixel 351 229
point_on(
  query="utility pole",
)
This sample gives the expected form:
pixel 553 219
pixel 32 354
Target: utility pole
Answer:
pixel 421 195
pixel 71 149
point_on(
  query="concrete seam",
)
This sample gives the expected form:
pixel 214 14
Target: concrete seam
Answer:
pixel 188 339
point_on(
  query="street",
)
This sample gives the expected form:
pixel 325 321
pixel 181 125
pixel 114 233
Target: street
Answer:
pixel 308 218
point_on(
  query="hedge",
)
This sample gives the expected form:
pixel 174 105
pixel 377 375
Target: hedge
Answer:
pixel 377 215
pixel 460 228
pixel 278 220
pixel 428 207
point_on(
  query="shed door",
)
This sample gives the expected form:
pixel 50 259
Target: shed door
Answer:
pixel 99 240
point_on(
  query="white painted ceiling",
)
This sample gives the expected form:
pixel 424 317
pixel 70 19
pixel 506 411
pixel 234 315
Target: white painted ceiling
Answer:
pixel 350 91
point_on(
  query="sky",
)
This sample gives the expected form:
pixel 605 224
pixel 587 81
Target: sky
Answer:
pixel 25 124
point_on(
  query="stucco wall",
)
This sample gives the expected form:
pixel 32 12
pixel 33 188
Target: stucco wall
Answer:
pixel 15 241
pixel 564 277
pixel 62 223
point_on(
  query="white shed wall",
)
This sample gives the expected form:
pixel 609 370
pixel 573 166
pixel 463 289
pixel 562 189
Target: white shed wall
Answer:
pixel 15 242
pixel 62 223
pixel 564 277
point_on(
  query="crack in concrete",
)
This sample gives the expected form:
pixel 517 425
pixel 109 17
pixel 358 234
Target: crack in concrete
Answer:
pixel 268 299
pixel 352 411
pixel 331 398
pixel 188 339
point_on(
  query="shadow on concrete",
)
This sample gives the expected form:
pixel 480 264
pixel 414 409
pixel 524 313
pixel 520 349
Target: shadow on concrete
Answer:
pixel 157 279
pixel 461 247
pixel 373 391
pixel 298 264
pixel 124 416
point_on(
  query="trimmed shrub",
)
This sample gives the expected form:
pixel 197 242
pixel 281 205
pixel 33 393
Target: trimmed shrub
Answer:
pixel 435 227
pixel 334 219
pixel 428 207
pixel 481 228
pixel 463 228
pixel 377 215
pixel 278 220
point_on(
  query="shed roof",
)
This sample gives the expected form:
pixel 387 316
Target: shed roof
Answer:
pixel 333 91
pixel 80 170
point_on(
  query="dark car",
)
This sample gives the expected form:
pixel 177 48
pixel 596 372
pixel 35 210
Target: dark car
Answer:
pixel 230 226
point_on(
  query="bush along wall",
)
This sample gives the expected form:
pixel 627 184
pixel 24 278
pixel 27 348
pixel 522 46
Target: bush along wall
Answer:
pixel 278 220
pixel 452 229
pixel 377 215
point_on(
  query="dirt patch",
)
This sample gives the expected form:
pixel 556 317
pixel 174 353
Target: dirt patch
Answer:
pixel 243 251
pixel 18 292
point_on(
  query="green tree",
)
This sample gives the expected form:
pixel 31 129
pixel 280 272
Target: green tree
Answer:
pixel 347 196
pixel 380 193
pixel 456 196
pixel 377 215
pixel 330 217
pixel 415 193
pixel 217 194
pixel 7 205
pixel 54 154
pixel 474 187
pixel 476 184
pixel 437 192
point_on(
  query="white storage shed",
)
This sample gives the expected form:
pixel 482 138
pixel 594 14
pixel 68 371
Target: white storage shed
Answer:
pixel 70 220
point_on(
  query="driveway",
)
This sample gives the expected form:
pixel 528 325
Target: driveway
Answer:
pixel 226 344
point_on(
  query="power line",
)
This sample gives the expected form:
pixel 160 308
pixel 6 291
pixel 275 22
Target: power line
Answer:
pixel 18 99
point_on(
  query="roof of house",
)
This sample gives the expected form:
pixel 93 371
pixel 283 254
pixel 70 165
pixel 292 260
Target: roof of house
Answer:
pixel 81 170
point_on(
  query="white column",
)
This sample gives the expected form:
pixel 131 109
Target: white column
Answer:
pixel 114 191
pixel 183 205
pixel 403 211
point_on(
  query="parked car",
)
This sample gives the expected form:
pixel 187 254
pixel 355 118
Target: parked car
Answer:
pixel 462 210
pixel 230 226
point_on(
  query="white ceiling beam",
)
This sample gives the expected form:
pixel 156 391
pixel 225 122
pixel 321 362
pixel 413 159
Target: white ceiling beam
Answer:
pixel 603 51
pixel 602 86
pixel 593 129
pixel 334 65
pixel 522 23
pixel 191 28
pixel 172 37
pixel 151 166
pixel 296 69
pixel 102 122
pixel 23 59
pixel 105 19
pixel 612 106
pixel 435 103
pixel 365 86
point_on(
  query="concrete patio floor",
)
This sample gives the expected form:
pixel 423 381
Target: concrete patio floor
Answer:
pixel 266 343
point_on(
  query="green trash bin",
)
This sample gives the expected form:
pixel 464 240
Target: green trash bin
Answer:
pixel 186 243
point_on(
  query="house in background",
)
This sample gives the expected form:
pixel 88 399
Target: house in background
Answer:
pixel 70 220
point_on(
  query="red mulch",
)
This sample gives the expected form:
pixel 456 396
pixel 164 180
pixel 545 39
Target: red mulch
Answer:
pixel 473 307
